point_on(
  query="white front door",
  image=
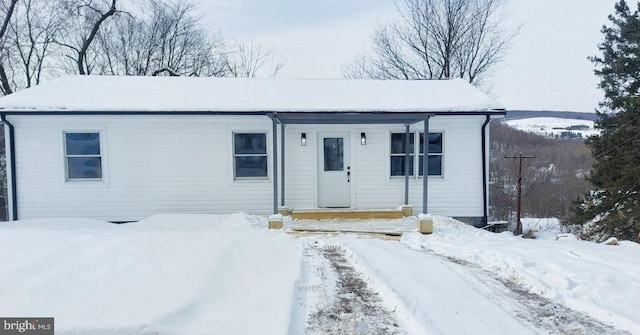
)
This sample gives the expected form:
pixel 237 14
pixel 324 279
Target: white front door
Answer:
pixel 334 170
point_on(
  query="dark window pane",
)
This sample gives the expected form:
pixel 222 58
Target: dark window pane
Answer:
pixel 334 154
pixel 435 165
pixel 250 143
pixel 398 143
pixel 435 143
pixel 84 167
pixel 251 166
pixel 397 165
pixel 82 143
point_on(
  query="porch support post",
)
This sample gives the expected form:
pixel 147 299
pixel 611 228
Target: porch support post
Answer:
pixel 274 134
pixel 407 162
pixel 282 164
pixel 425 166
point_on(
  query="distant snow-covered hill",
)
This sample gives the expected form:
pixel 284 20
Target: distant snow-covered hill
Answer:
pixel 553 124
pixel 554 127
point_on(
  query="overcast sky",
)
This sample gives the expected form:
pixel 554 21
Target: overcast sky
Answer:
pixel 546 67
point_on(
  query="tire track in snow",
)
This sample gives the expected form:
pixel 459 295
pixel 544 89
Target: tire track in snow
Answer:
pixel 343 302
pixel 529 307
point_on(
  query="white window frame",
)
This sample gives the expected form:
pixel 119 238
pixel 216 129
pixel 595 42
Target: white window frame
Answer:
pixel 67 178
pixel 234 155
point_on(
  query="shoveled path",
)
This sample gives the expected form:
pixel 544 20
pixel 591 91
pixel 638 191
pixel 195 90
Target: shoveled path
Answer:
pixel 437 295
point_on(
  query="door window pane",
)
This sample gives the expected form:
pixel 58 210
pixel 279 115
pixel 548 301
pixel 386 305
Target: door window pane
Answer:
pixel 334 154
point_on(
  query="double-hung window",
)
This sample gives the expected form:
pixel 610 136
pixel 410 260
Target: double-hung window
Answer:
pixel 435 154
pixel 399 149
pixel 250 155
pixel 83 157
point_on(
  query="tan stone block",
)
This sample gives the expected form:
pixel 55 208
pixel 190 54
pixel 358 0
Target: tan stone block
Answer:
pixel 425 226
pixel 275 224
pixel 407 211
pixel 284 211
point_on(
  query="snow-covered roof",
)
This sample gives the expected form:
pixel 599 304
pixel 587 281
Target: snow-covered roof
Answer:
pixel 189 94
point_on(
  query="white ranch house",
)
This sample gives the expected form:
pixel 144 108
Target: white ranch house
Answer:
pixel 125 148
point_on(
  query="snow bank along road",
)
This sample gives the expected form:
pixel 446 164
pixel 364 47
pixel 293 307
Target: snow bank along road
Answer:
pixel 228 274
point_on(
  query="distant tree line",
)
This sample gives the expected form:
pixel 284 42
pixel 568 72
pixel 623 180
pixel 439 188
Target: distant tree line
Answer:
pixel 41 39
pixel 552 181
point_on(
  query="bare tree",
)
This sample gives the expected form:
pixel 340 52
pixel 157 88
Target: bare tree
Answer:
pixel 250 59
pixel 30 35
pixel 7 12
pixel 85 19
pixel 169 39
pixel 437 39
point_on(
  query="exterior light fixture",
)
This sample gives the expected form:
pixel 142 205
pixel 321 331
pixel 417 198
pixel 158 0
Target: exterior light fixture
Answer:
pixel 303 139
pixel 363 139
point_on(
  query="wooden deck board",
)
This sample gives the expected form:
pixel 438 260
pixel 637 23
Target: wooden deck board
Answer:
pixel 346 213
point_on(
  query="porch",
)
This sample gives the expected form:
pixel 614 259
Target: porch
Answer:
pixel 377 228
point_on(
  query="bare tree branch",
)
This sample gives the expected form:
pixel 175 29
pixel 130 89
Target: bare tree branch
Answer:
pixel 82 53
pixel 437 39
pixel 4 80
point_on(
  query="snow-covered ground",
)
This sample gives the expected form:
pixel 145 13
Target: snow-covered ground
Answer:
pixel 213 274
pixel 553 127
pixel 169 274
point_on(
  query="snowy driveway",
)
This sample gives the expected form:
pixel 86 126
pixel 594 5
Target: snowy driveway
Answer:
pixel 228 274
pixel 402 291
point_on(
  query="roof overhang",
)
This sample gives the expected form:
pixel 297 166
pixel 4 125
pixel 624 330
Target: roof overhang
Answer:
pixel 368 117
pixel 320 117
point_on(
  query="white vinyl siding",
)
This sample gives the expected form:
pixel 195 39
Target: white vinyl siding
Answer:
pixel 184 164
pixel 151 165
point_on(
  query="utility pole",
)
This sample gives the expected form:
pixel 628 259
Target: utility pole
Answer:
pixel 520 157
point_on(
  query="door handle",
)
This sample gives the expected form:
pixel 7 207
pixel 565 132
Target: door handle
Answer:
pixel 348 174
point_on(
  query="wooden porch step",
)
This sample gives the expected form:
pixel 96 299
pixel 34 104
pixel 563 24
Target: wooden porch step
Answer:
pixel 346 213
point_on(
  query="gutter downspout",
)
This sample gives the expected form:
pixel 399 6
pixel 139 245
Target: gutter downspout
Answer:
pixel 282 141
pixel 12 167
pixel 485 200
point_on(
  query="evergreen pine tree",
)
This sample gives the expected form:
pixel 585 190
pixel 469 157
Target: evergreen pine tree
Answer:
pixel 613 208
